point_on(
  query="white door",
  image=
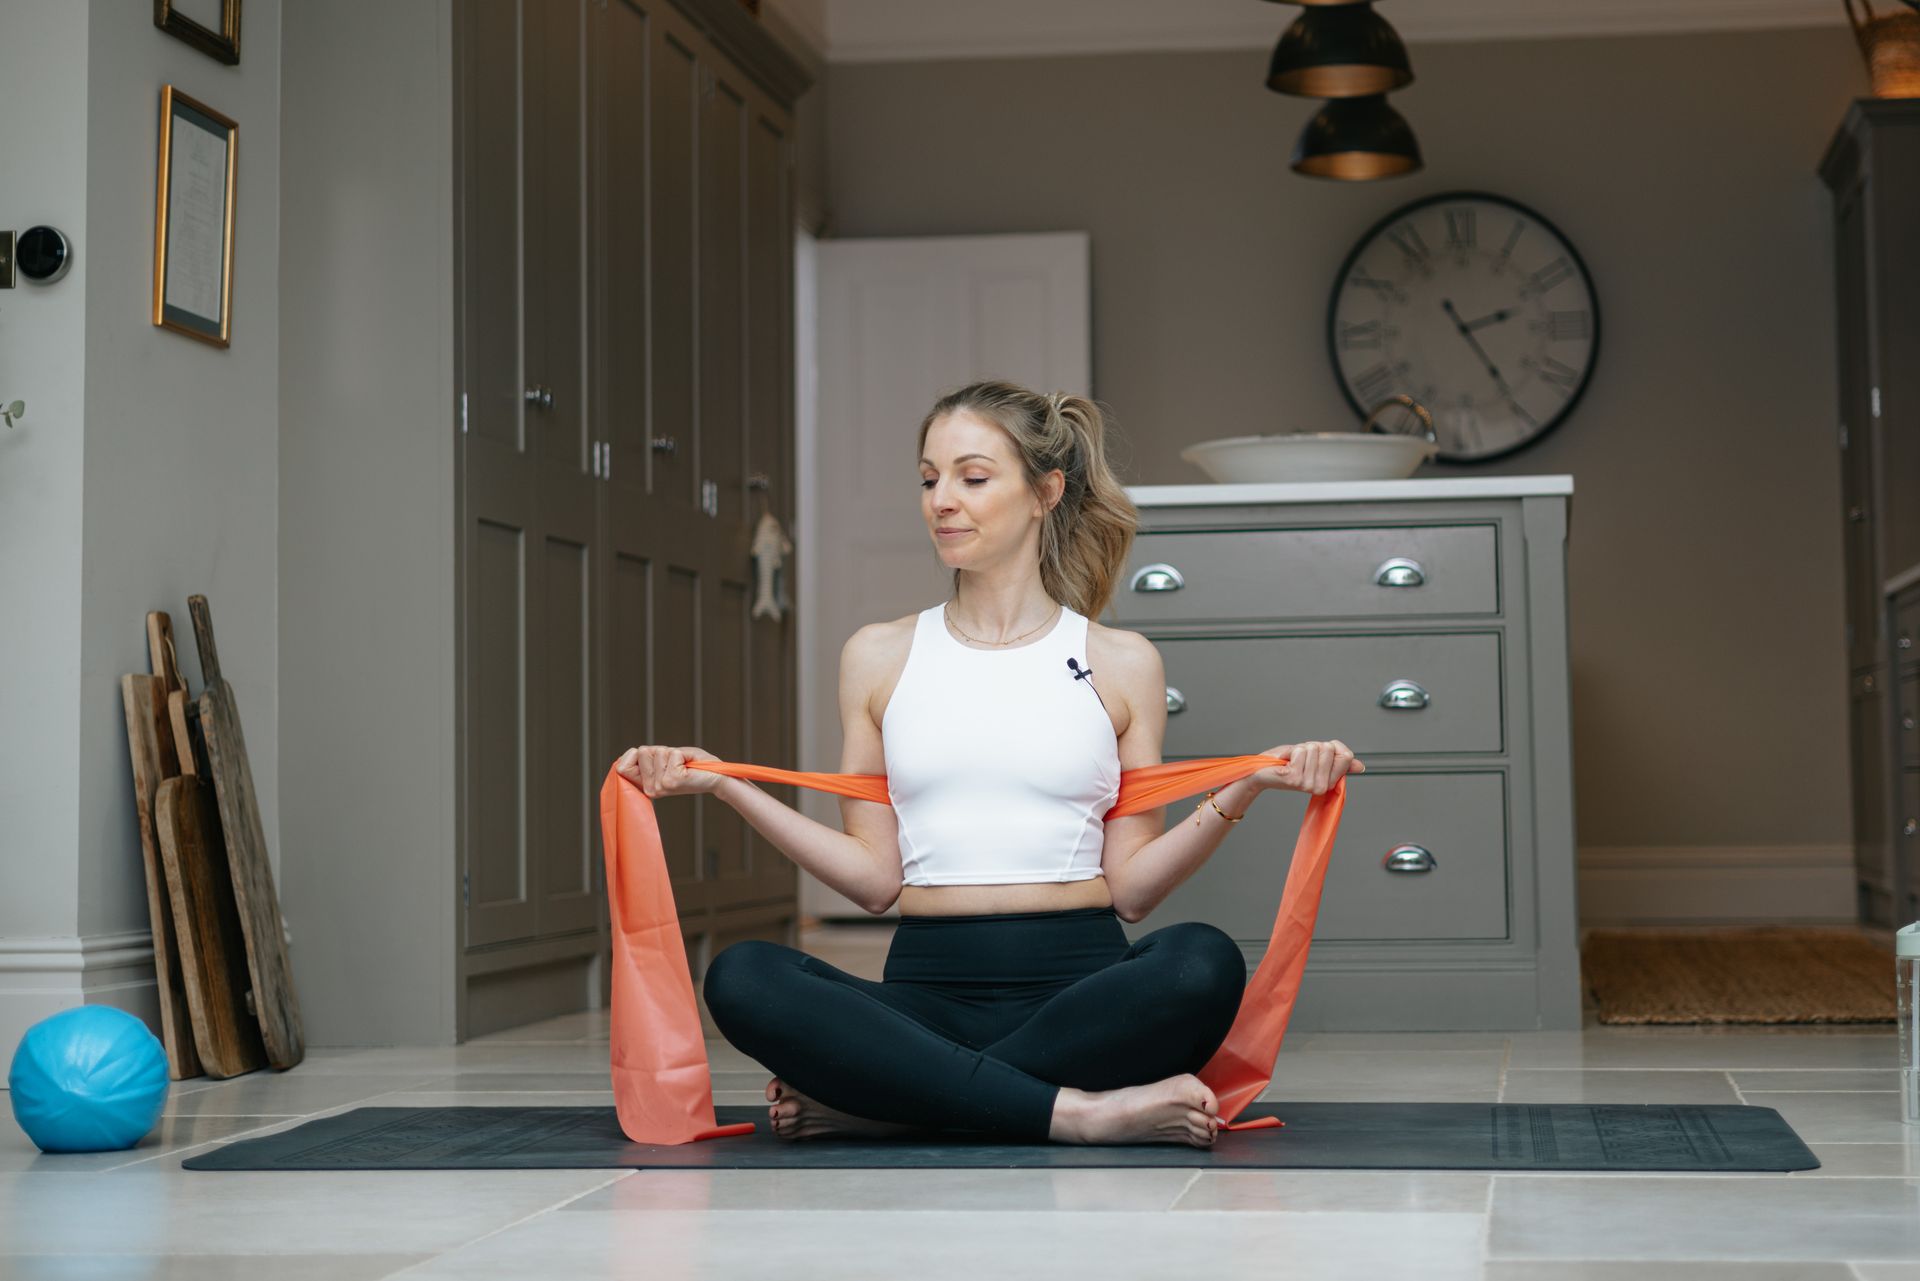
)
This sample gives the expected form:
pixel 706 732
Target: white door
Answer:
pixel 896 324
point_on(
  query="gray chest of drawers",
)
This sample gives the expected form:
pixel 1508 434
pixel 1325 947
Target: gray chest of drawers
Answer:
pixel 1424 624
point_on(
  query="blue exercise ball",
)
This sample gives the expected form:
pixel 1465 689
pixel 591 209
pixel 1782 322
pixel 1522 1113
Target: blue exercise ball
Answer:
pixel 89 1079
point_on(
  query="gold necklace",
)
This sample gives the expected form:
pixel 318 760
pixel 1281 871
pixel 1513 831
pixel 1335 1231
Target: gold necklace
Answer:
pixel 947 609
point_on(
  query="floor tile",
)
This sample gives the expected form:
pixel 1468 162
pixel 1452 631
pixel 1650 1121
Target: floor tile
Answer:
pixel 172 1134
pixel 1689 1270
pixel 1697 1217
pixel 1840 1118
pixel 917 1190
pixel 1300 1191
pixel 1387 1076
pixel 1816 1079
pixel 1701 1048
pixel 929 1246
pixel 292 1093
pixel 1626 1085
pixel 1888 1271
pixel 1864 1160
pixel 246 1212
pixel 204 1267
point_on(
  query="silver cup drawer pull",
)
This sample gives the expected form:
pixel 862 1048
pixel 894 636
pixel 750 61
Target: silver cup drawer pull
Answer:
pixel 1176 701
pixel 1404 696
pixel 1400 572
pixel 1156 578
pixel 1408 859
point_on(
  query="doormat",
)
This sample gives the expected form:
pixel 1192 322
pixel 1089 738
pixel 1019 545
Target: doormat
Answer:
pixel 1373 1136
pixel 1762 975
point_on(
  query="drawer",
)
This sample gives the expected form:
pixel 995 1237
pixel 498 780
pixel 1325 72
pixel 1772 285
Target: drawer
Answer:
pixel 1246 694
pixel 1909 712
pixel 1458 820
pixel 1362 572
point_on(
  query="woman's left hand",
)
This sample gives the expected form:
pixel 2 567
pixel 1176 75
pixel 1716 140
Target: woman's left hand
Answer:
pixel 1310 767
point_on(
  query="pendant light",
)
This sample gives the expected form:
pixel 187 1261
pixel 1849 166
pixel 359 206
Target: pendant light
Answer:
pixel 1356 139
pixel 1339 51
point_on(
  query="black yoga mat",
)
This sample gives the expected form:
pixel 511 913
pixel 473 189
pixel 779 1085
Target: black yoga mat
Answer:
pixel 1372 1136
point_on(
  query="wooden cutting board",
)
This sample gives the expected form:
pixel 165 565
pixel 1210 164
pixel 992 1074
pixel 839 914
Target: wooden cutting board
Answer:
pixel 272 995
pixel 213 946
pixel 145 703
pixel 166 665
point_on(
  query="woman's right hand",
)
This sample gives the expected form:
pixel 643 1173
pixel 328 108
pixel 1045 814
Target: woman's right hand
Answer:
pixel 662 771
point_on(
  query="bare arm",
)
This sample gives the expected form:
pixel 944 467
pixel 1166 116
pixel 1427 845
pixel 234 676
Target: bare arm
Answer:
pixel 863 862
pixel 1142 861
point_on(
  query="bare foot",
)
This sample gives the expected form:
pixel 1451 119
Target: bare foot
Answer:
pixel 795 1116
pixel 1179 1109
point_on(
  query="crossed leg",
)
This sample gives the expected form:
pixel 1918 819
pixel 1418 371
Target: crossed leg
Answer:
pixel 859 1051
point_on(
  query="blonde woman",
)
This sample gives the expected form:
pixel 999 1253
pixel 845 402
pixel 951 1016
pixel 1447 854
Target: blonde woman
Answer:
pixel 1012 1002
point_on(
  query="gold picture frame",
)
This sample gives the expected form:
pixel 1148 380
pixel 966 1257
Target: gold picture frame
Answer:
pixel 193 220
pixel 223 44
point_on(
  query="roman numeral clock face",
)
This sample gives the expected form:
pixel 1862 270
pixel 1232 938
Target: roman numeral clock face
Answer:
pixel 1477 308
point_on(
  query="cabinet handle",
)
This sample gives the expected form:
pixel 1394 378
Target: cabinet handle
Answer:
pixel 1906 641
pixel 1404 696
pixel 1856 514
pixel 1910 828
pixel 540 396
pixel 1408 859
pixel 664 444
pixel 1400 572
pixel 1156 578
pixel 1906 722
pixel 759 481
pixel 1176 701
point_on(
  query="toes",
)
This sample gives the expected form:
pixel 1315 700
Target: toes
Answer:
pixel 776 1089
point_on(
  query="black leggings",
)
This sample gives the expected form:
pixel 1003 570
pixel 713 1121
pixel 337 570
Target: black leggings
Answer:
pixel 980 1020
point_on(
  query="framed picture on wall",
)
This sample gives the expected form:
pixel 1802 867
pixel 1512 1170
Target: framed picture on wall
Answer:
pixel 211 26
pixel 193 220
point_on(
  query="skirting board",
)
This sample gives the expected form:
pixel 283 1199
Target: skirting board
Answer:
pixel 42 976
pixel 1715 884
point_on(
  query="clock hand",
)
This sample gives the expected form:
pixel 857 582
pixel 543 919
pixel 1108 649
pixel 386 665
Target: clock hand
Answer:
pixel 1491 318
pixel 1478 350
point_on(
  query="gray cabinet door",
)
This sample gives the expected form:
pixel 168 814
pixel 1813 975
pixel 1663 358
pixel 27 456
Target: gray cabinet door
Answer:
pixel 501 535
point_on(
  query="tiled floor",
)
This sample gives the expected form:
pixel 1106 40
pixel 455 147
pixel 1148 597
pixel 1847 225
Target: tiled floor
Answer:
pixel 137 1214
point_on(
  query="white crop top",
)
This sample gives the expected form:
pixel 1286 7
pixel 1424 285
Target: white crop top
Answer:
pixel 1000 764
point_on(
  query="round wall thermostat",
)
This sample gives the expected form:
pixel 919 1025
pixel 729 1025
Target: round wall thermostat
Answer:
pixel 43 254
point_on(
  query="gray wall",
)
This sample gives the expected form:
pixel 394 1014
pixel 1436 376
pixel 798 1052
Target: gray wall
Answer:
pixel 144 472
pixel 365 487
pixel 1705 556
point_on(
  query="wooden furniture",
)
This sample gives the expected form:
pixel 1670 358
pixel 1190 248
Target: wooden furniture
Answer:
pixel 1873 169
pixel 1424 624
pixel 624 309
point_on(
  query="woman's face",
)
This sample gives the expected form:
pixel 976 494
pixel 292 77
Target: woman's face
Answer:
pixel 973 496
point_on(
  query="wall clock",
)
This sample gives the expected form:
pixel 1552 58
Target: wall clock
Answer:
pixel 1477 307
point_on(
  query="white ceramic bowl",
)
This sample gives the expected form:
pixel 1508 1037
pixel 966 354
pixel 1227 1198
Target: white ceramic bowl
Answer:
pixel 1321 455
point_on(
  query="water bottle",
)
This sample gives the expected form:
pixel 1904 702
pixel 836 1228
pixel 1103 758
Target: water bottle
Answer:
pixel 1906 960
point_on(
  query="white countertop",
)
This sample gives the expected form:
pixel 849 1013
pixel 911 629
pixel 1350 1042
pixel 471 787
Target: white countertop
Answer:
pixel 1350 491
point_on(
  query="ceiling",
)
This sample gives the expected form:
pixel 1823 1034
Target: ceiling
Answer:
pixel 896 30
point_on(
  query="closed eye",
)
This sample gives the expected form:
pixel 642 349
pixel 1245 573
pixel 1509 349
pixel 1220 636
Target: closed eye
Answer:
pixel 971 480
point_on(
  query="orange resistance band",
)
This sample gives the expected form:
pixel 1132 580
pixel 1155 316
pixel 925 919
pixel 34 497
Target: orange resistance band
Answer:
pixel 661 1084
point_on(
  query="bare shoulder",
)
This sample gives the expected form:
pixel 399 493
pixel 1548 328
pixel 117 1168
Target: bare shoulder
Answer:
pixel 1131 667
pixel 871 663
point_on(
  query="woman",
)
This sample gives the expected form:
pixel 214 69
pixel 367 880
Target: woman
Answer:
pixel 1012 1002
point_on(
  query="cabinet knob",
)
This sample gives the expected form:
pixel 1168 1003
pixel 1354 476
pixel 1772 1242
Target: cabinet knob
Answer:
pixel 1176 701
pixel 759 481
pixel 1906 641
pixel 540 396
pixel 1400 572
pixel 1856 514
pixel 1404 696
pixel 1906 722
pixel 1156 578
pixel 664 444
pixel 1408 859
pixel 1910 828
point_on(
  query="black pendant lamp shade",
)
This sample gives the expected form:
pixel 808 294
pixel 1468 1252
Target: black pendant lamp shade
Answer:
pixel 1356 139
pixel 1339 51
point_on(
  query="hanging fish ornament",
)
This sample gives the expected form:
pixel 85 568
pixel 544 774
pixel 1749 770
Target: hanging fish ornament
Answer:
pixel 771 547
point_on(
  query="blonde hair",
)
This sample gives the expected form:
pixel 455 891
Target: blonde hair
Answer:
pixel 1085 537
